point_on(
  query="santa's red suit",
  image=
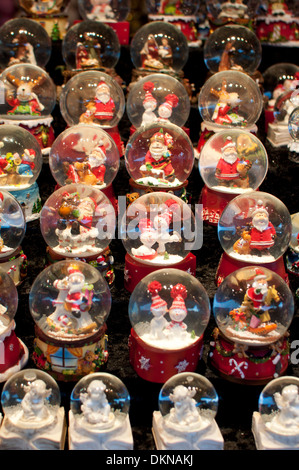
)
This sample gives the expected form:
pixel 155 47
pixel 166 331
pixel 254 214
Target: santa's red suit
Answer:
pixel 220 114
pixel 74 301
pixel 256 296
pixel 262 240
pixel 162 164
pixel 3 165
pixel 104 111
pixel 99 172
pixel 227 171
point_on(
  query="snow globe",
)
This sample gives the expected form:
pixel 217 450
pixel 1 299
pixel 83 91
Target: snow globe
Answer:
pixel 241 12
pixel 12 231
pixel 278 23
pixel 113 13
pixel 275 424
pixel 188 404
pixel 99 414
pixel 93 97
pixel 253 308
pixel 159 156
pixel 13 352
pixel 293 126
pixel 33 417
pixel 158 47
pixel 233 47
pixel 292 254
pixel 169 310
pixel 70 302
pixel 158 98
pixel 20 165
pixel 228 99
pixel 23 41
pixel 183 15
pixel 278 131
pixel 157 230
pixel 232 162
pixel 30 97
pixel 254 228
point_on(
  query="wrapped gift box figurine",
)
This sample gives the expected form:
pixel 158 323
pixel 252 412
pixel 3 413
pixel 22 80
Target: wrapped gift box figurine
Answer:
pixel 228 99
pixel 93 97
pixel 113 13
pixel 20 165
pixel 23 41
pixel 13 352
pixel 70 302
pixel 169 311
pixel 231 162
pixel 99 414
pixel 30 97
pixel 188 404
pixel 255 228
pixel 275 425
pixel 158 230
pixel 33 417
pixel 253 308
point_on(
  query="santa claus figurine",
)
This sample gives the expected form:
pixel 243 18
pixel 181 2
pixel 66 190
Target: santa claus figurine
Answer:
pixel 96 162
pixel 77 301
pixel 149 104
pixel 158 158
pixel 262 232
pixel 165 109
pixel 104 104
pixel 177 312
pixel 230 168
pixel 158 309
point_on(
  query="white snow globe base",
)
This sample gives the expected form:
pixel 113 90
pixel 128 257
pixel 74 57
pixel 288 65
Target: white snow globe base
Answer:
pixel 272 440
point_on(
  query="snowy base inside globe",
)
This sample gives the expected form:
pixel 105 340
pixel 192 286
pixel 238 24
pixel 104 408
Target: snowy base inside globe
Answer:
pixel 265 439
pixel 206 437
pixel 138 190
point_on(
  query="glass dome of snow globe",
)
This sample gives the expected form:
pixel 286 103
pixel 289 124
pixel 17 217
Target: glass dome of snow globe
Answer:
pixel 255 227
pixel 293 126
pixel 98 388
pixel 198 392
pixel 84 154
pixel 233 161
pixel 169 309
pixel 284 105
pixel 232 47
pixel 159 47
pixel 282 75
pixel 90 44
pixel 30 399
pixel 103 10
pixel 158 229
pixel 171 8
pixel 294 242
pixel 159 155
pixel 278 404
pixel 20 158
pixel 230 99
pixel 77 220
pixel 23 40
pixel 253 306
pixel 70 300
pixel 92 97
pixel 29 93
pixel 158 98
pixel 12 224
pixel 41 8
pixel 8 301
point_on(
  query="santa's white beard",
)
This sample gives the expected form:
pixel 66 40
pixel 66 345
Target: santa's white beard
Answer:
pixel 260 225
pixel 230 158
pixel 262 288
pixel 103 98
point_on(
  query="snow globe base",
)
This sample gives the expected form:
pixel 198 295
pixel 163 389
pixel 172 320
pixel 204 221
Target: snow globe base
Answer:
pixel 103 262
pixel 228 265
pixel 51 438
pixel 15 265
pixel 278 134
pixel 138 190
pixel 30 201
pixel 252 366
pixel 210 438
pixel 135 271
pixel 213 203
pixel 265 440
pixel 70 360
pixel 158 365
pixel 117 437
pixel 13 353
pixel 122 29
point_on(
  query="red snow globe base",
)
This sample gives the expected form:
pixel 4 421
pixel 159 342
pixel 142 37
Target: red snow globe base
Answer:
pixel 213 203
pixel 122 29
pixel 115 135
pixel 253 366
pixel 13 353
pixel 135 271
pixel 156 365
pixel 228 265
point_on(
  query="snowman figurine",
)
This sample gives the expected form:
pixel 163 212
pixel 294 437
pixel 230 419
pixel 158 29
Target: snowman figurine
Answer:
pixel 148 237
pixel 177 329
pixel 158 309
pixel 165 109
pixel 149 104
pixel 161 225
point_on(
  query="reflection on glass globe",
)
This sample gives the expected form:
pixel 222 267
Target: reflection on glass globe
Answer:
pixel 158 98
pixel 8 301
pixel 158 229
pixel 169 309
pixel 159 155
pixel 159 47
pixel 103 10
pixel 90 44
pixel 253 306
pixel 70 300
pixel 20 158
pixel 255 228
pixel 282 74
pixel 233 161
pixel 92 97
pixel 12 224
pixel 24 41
pixel 84 154
pixel 230 99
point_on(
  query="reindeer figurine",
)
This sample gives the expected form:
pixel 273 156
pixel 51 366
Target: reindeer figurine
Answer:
pixel 24 101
